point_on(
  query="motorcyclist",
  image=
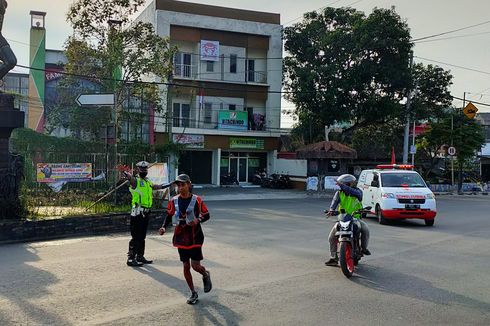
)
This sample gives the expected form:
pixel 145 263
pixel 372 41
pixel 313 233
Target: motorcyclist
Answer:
pixel 348 198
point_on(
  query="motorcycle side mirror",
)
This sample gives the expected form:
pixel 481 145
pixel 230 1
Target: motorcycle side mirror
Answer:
pixel 368 208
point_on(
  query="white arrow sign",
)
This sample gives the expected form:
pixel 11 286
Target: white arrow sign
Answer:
pixel 95 99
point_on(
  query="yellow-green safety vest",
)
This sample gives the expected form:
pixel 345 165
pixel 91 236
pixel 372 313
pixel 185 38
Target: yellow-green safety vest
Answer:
pixel 143 194
pixel 350 204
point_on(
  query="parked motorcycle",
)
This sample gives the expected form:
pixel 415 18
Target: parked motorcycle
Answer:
pixel 258 178
pixel 348 235
pixel 228 180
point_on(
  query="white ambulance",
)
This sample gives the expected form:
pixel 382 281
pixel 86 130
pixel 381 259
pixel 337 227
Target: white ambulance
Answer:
pixel 397 192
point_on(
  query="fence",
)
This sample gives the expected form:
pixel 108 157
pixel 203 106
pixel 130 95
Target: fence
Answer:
pixel 75 197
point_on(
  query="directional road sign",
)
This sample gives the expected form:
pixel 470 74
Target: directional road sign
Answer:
pixel 470 110
pixel 95 99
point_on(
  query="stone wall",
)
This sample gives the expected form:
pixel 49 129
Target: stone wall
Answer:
pixel 20 231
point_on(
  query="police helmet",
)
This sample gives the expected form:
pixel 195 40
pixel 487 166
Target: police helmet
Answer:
pixel 143 165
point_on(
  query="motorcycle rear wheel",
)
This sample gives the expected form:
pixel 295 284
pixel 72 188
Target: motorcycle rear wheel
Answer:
pixel 345 259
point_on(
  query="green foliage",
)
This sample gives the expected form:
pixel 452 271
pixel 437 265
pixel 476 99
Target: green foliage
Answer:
pixel 468 137
pixel 26 140
pixel 345 66
pixel 117 58
pixel 376 141
pixel 348 67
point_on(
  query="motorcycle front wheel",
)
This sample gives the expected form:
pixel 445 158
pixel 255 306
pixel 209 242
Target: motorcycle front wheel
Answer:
pixel 345 259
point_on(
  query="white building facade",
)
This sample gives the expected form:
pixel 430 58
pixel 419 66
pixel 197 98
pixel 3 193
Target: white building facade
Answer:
pixel 225 100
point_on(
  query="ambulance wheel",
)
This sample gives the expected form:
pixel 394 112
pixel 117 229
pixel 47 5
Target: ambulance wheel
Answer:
pixel 380 216
pixel 429 222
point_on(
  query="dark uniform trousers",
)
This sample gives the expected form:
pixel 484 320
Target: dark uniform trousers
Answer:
pixel 138 227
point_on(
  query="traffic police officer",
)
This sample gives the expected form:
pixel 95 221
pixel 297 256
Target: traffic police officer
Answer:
pixel 142 200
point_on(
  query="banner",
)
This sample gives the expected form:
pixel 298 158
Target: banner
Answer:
pixel 209 50
pixel 158 173
pixel 191 141
pixel 246 143
pixel 330 183
pixel 68 172
pixel 236 120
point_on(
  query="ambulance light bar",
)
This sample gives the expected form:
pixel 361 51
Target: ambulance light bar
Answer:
pixel 395 167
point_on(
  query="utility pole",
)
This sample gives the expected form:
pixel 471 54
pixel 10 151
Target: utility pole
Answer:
pixel 115 47
pixel 407 125
pixel 413 144
pixel 170 119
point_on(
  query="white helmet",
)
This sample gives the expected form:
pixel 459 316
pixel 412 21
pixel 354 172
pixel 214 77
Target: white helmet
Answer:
pixel 143 165
pixel 346 179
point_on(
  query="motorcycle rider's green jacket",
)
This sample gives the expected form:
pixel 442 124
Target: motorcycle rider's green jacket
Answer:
pixel 350 204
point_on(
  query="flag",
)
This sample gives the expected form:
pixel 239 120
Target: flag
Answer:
pixel 393 158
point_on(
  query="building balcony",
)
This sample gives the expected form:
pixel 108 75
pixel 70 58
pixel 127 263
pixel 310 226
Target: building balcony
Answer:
pixel 192 72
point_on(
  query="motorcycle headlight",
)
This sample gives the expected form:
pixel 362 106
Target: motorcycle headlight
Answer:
pixel 388 195
pixel 430 196
pixel 344 225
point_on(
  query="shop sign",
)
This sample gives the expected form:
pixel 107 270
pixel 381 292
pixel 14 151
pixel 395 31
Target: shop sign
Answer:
pixel 190 141
pixel 236 120
pixel 67 172
pixel 209 50
pixel 246 143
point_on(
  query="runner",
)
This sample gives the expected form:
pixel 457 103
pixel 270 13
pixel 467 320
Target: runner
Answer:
pixel 187 211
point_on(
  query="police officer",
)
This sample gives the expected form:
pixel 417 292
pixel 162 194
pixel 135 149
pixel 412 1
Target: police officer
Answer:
pixel 142 200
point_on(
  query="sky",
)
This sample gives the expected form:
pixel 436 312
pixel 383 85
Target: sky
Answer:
pixel 424 17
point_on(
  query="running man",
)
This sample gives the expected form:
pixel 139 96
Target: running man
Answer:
pixel 187 211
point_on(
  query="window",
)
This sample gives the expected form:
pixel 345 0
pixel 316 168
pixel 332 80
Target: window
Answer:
pixel 208 113
pixel 251 70
pixel 233 63
pixel 399 180
pixel 181 114
pixel 210 66
pixel 183 65
pixel 232 107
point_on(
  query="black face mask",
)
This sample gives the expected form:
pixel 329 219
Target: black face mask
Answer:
pixel 143 174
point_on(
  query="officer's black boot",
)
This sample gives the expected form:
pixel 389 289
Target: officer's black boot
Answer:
pixel 141 254
pixel 132 256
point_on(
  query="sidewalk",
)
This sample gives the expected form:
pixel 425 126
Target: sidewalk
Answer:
pixel 238 193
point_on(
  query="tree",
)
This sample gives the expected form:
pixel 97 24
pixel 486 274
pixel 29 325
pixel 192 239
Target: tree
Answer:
pixel 110 49
pixel 376 141
pixel 347 67
pixel 467 137
pixel 431 92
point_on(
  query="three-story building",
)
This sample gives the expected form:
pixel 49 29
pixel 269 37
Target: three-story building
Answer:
pixel 224 101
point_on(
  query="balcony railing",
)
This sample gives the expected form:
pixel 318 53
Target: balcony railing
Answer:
pixel 185 71
pixel 259 77
pixel 220 72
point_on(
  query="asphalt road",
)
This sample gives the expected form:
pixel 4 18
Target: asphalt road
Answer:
pixel 266 259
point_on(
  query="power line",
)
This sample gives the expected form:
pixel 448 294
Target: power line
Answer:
pixel 453 37
pixel 453 65
pixel 451 31
pixel 321 8
pixel 474 102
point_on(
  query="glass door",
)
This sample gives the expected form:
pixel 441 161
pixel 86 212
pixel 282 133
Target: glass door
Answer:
pixel 234 167
pixel 242 169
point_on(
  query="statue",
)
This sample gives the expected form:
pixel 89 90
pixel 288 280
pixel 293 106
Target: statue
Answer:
pixel 7 56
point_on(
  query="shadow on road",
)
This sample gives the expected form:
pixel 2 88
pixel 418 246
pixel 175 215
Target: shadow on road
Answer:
pixel 214 313
pixel 393 282
pixel 21 283
pixel 166 279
